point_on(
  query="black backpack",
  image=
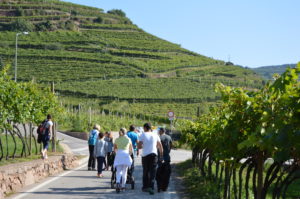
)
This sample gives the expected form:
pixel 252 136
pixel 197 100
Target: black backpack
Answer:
pixel 41 130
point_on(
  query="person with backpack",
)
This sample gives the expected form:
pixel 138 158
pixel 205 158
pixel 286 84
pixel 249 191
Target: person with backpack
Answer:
pixel 164 168
pixel 93 137
pixel 150 143
pixel 46 135
pixel 100 153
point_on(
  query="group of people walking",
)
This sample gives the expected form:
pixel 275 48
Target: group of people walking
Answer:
pixel 121 153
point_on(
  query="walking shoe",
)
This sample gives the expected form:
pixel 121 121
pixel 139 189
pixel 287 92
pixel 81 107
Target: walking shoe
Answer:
pixel 151 191
pixel 89 168
pixel 93 169
pixel 118 188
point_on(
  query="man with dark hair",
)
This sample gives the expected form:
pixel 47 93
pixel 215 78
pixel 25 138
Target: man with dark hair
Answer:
pixel 150 142
pixel 134 139
pixel 164 168
pixel 166 142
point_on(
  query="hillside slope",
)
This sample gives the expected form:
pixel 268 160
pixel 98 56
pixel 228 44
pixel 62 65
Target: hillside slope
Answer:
pixel 90 53
pixel 267 72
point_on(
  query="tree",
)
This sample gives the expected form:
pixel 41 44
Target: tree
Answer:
pixel 98 20
pixel 21 25
pixel 117 12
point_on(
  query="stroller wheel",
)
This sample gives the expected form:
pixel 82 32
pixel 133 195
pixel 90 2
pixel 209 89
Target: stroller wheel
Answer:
pixel 132 183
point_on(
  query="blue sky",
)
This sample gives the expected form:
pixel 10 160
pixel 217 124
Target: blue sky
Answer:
pixel 248 32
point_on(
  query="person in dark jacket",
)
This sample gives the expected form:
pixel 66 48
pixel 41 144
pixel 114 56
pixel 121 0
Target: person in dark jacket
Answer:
pixel 93 137
pixel 164 168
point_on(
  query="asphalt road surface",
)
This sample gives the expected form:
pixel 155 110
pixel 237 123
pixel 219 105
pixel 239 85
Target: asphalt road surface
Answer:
pixel 83 184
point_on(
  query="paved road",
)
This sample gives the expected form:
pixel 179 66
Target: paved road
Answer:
pixel 83 184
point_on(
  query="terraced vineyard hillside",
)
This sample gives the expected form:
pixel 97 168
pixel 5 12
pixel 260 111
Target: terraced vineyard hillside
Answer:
pixel 93 54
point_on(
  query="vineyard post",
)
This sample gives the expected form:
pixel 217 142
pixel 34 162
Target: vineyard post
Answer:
pixel 54 126
pixel 90 113
pixel 30 138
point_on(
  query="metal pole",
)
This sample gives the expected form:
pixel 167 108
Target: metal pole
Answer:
pixel 90 112
pixel 16 57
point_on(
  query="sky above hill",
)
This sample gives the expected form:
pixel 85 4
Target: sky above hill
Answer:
pixel 250 33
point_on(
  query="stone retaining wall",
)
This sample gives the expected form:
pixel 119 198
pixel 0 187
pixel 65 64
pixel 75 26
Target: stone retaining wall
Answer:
pixel 14 177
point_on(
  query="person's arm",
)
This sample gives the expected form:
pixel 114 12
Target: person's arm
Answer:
pixel 50 131
pixel 130 148
pixel 105 148
pixel 115 148
pixel 95 150
pixel 140 143
pixel 160 148
pixel 137 143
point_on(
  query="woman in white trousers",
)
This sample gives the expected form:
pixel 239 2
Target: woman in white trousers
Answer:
pixel 123 149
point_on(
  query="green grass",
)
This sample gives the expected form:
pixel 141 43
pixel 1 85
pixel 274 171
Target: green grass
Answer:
pixel 198 186
pixel 9 144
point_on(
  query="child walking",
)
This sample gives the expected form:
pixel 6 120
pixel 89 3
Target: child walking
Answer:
pixel 100 153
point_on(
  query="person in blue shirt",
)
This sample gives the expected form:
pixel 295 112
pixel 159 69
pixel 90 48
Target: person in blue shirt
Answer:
pixel 134 139
pixel 132 134
pixel 93 137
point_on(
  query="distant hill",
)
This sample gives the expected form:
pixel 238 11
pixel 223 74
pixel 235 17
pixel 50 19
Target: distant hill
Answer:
pixel 267 72
pixel 95 54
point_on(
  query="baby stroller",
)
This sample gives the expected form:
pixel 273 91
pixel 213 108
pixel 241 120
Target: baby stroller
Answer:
pixel 130 178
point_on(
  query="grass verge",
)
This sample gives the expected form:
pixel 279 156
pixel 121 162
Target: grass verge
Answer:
pixel 200 187
pixel 196 186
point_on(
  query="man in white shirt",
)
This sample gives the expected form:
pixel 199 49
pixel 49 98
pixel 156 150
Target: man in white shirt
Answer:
pixel 149 142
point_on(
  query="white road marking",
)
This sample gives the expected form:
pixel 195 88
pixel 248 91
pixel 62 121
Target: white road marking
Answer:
pixel 80 149
pixel 22 195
